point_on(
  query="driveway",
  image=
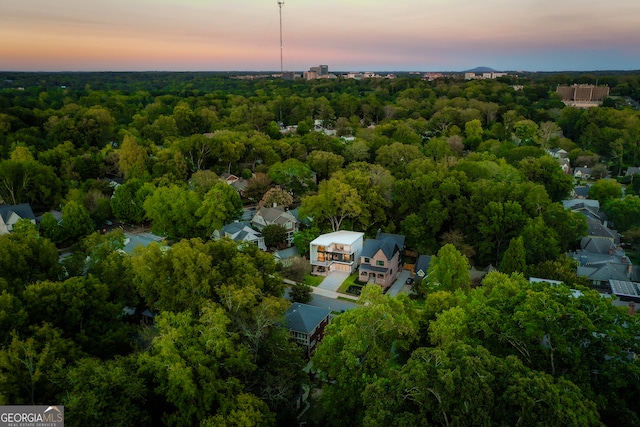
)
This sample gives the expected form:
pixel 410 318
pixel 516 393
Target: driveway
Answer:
pixel 397 286
pixel 333 281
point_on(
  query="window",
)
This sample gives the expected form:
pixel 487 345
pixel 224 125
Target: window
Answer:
pixel 380 263
pixel 367 260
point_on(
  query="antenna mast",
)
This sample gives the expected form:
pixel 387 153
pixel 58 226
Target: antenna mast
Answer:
pixel 280 4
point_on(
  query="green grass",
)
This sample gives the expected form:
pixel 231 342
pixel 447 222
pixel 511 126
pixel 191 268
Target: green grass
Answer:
pixel 313 280
pixel 348 282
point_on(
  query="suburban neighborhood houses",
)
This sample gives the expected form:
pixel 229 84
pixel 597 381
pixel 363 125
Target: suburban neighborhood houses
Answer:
pixel 320 252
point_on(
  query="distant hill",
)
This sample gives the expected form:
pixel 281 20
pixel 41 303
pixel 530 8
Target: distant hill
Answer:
pixel 481 70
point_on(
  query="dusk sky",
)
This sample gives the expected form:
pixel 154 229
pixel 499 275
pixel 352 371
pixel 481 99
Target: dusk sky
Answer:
pixel 346 35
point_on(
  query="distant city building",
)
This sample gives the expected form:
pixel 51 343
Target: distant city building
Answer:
pixel 583 96
pixel 483 76
pixel 319 72
pixel 288 75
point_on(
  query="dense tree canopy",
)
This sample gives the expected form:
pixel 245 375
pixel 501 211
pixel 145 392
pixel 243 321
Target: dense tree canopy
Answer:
pixel 188 331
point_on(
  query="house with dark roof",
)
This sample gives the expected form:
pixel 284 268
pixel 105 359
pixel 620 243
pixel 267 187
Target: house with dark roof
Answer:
pixel 577 205
pixel 422 267
pixel 306 324
pixel 558 153
pixel 239 184
pixel 600 268
pixel 599 230
pixel 581 191
pixel 278 216
pixel 380 260
pixel 285 256
pixel 598 245
pixel 239 232
pixel 632 170
pixel 10 214
pixel 625 290
pixel 582 173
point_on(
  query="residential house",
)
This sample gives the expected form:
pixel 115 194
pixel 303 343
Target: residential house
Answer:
pixel 305 221
pixel 285 256
pixel 238 184
pixel 306 325
pixel 132 241
pixel 582 173
pixel 565 165
pixel 422 267
pixel 558 153
pixel 625 290
pixel 601 246
pixel 632 170
pixel 581 191
pixel 337 251
pixel 600 268
pixel 597 223
pixel 578 204
pixel 278 216
pixel 57 215
pixel 380 260
pixel 240 232
pixel 477 275
pixel 600 230
pixel 10 214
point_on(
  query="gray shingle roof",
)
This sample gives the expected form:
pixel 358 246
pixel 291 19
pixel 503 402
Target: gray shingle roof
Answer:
pixel 304 318
pixel 372 246
pixel 423 263
pixel 23 210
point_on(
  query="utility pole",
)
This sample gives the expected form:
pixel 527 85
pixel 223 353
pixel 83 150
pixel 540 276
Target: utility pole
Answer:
pixel 280 4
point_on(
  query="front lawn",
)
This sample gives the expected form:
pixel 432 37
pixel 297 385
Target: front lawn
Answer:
pixel 313 280
pixel 351 280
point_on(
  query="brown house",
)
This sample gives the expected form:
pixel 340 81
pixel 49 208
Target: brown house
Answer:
pixel 306 325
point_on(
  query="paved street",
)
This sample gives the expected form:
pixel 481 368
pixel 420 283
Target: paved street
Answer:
pixel 331 303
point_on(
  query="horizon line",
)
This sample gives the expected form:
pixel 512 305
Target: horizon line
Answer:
pixel 333 72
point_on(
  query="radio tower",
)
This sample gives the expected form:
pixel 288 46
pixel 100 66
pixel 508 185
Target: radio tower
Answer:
pixel 280 4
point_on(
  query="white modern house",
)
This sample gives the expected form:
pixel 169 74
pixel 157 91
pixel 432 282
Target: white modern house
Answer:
pixel 337 251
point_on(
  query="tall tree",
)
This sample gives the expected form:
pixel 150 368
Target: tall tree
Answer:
pixel 604 190
pixel 514 258
pixel 335 202
pixel 359 345
pixel 76 221
pixel 133 159
pixel 220 206
pixel 449 270
pixel 173 212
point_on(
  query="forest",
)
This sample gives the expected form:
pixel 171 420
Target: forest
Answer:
pixel 189 331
